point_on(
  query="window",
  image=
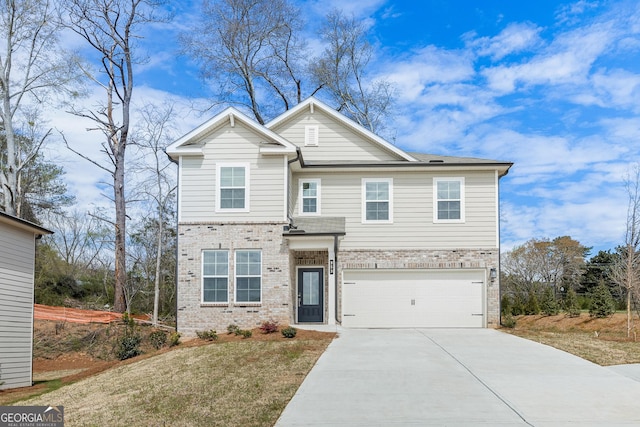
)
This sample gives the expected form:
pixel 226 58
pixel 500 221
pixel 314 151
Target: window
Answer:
pixel 310 197
pixel 248 276
pixel 377 200
pixel 311 136
pixel 232 186
pixel 215 276
pixel 448 199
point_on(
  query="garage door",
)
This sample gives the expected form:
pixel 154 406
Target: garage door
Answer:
pixel 413 299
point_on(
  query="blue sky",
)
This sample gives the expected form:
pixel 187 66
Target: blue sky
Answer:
pixel 552 86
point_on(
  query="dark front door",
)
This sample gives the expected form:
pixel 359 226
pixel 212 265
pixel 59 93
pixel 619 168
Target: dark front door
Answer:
pixel 310 294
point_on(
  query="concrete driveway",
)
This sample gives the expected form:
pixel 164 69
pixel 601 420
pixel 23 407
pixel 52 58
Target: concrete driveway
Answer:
pixel 457 377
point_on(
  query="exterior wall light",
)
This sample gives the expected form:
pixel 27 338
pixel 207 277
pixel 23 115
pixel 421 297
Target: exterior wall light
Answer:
pixel 493 274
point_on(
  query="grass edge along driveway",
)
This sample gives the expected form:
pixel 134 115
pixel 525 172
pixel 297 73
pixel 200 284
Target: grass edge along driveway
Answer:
pixel 245 383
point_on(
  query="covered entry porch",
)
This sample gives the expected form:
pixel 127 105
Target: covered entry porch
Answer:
pixel 313 246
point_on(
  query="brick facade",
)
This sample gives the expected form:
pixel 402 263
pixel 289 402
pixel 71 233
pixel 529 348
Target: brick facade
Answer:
pixel 193 315
pixel 279 269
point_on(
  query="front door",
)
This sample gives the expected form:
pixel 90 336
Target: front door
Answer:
pixel 310 294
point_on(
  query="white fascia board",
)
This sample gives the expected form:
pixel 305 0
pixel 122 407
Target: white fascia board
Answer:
pixel 315 103
pixel 277 150
pixel 229 115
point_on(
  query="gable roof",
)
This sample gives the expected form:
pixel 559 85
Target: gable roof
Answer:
pixel 187 145
pixel 23 224
pixel 313 103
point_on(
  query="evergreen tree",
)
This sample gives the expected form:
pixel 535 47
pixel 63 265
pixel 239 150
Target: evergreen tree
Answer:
pixel 571 304
pixel 533 305
pixel 602 303
pixel 549 304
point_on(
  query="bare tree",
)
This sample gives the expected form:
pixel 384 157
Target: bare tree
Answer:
pixel 159 189
pixel 342 71
pixel 543 262
pixel 626 270
pixel 251 49
pixel 31 69
pixel 109 27
pixel 79 240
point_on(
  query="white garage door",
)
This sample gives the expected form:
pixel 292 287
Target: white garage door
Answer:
pixel 413 299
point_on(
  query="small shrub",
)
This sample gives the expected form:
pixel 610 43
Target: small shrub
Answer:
pixel 269 327
pixel 289 332
pixel 158 339
pixel 602 303
pixel 505 304
pixel 508 321
pixel 245 333
pixel 209 335
pixel 174 339
pixel 233 329
pixel 128 347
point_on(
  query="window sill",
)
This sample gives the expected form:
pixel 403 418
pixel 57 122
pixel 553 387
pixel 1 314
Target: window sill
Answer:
pixel 247 304
pixel 214 304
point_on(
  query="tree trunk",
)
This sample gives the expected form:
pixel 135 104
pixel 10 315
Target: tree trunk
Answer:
pixel 119 302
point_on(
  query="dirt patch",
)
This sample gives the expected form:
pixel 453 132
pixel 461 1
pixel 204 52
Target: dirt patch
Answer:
pixel 66 352
pixel 600 340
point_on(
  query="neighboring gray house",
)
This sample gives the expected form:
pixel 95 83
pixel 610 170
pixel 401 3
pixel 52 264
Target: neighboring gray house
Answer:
pixel 313 219
pixel 17 259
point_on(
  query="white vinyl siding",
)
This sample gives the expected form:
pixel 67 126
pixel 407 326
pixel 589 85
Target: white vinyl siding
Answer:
pixel 413 226
pixel 336 142
pixel 309 196
pixel 377 200
pixel 215 276
pixel 16 305
pixel 248 279
pixel 265 179
pixel 448 200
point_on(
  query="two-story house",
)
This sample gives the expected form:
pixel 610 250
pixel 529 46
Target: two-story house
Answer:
pixel 311 218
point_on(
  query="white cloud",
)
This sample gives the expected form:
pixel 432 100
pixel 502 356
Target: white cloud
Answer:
pixel 428 66
pixel 568 59
pixel 515 38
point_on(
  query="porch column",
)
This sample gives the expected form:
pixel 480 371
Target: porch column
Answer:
pixel 333 274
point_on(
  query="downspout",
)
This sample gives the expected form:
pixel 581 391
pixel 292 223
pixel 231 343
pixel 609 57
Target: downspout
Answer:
pixel 177 237
pixel 335 261
pixel 295 159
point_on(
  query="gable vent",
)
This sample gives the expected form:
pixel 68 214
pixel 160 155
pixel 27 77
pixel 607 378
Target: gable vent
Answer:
pixel 311 136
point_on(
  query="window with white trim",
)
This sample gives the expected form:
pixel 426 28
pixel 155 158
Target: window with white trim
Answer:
pixel 248 276
pixel 311 136
pixel 232 188
pixel 215 276
pixel 310 197
pixel 448 199
pixel 377 200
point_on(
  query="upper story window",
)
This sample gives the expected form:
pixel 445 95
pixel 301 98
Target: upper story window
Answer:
pixel 309 197
pixel 232 187
pixel 377 200
pixel 248 276
pixel 311 136
pixel 215 276
pixel 448 199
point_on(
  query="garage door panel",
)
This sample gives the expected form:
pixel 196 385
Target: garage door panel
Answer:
pixel 416 298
